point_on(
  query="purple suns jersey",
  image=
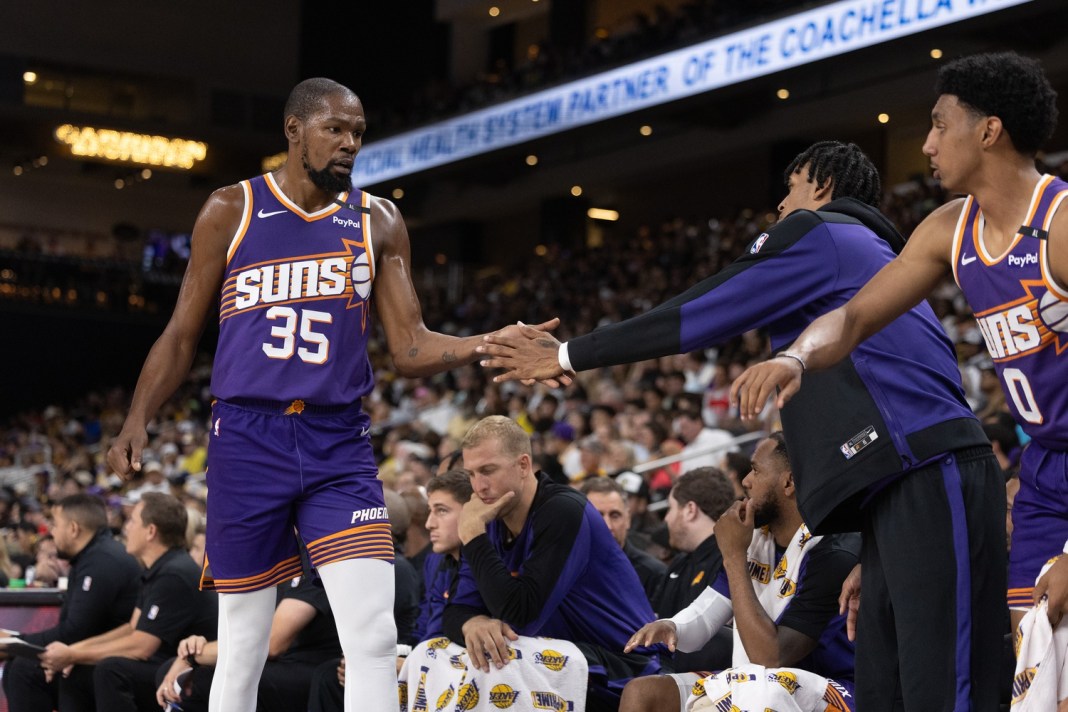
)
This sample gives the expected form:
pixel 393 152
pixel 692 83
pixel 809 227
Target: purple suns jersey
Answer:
pixel 1022 312
pixel 293 314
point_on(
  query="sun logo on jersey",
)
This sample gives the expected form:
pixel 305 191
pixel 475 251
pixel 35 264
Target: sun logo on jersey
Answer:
pixel 1026 325
pixel 836 697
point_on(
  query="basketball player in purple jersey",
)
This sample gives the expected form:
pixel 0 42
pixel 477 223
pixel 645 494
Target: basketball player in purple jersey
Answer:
pixel 293 255
pixel 1006 244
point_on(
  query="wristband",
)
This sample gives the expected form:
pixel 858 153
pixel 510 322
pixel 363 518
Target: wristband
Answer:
pixel 562 358
pixel 795 357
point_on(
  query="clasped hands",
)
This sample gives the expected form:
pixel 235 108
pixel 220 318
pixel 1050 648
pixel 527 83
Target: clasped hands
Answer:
pixel 525 353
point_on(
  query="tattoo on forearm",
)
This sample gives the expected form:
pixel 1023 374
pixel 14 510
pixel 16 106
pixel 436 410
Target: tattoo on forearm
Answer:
pixel 413 352
pixel 448 357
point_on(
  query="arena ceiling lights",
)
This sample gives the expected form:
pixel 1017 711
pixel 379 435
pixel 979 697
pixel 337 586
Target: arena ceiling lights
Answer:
pixel 792 41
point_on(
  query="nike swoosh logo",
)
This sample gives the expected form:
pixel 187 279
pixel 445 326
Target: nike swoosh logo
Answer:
pixel 262 214
pixel 968 260
pixel 674 575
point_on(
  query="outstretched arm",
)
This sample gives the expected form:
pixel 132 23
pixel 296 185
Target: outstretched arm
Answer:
pixel 788 269
pixel 416 350
pixel 169 360
pixel 898 287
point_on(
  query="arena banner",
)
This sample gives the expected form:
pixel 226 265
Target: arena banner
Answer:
pixel 788 42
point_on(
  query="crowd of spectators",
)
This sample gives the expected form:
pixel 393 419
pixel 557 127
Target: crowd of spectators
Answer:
pixel 637 36
pixel 608 422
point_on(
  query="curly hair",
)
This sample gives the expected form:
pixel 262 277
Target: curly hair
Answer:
pixel 1008 86
pixel 853 173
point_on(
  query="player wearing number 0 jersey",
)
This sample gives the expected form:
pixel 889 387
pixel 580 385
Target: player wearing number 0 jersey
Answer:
pixel 1007 245
pixel 293 255
pixel 1023 315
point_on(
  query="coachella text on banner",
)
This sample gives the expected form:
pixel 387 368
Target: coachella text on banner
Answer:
pixel 788 42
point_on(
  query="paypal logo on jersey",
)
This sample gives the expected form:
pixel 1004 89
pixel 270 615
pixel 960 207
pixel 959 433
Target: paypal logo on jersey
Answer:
pixel 346 222
pixel 1020 261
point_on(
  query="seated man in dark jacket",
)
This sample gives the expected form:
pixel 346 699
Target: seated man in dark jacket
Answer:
pixel 103 585
pixel 116 670
pixel 538 560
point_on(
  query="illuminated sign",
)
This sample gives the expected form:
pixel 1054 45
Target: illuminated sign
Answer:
pixel 273 163
pixel 792 41
pixel 126 147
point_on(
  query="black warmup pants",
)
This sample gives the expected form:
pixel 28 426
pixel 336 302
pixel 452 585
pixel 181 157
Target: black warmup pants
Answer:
pixel 933 573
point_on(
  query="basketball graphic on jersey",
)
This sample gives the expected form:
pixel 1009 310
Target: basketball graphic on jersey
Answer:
pixel 361 275
pixel 1054 312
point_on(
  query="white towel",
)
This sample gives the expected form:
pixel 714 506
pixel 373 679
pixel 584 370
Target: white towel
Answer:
pixel 754 688
pixel 543 674
pixel 774 578
pixel 1041 679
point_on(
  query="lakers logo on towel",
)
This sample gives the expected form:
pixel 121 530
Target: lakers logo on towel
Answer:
pixel 433 646
pixel 402 694
pixel 780 569
pixel 419 703
pixel 502 696
pixel 457 662
pixel 724 704
pixel 468 697
pixel 788 588
pixel 698 689
pixel 788 680
pixel 444 698
pixel 759 572
pixel 1022 683
pixel 734 676
pixel 551 659
pixel 550 701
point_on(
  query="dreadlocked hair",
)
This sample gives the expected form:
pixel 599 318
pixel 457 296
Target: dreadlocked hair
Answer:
pixel 851 171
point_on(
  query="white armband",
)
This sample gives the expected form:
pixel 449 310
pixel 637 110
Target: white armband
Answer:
pixel 698 622
pixel 561 356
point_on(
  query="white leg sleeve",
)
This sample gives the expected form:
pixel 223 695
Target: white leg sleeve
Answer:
pixel 361 595
pixel 244 634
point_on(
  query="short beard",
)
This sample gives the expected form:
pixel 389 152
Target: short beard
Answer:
pixel 767 513
pixel 326 179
